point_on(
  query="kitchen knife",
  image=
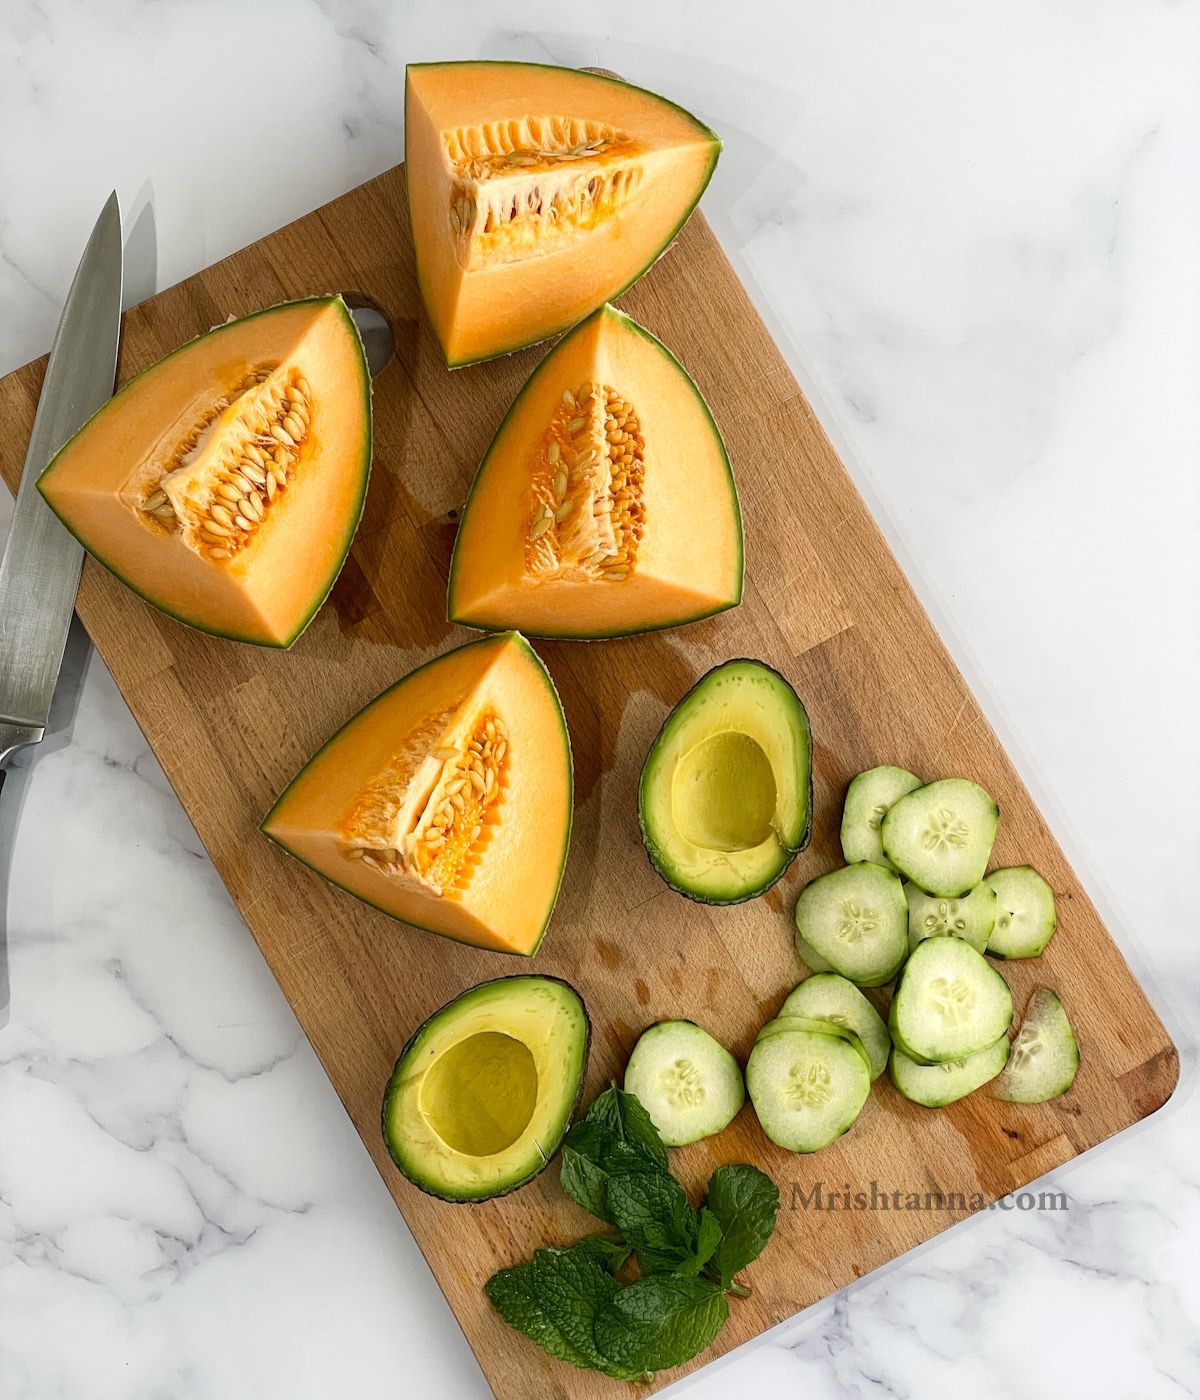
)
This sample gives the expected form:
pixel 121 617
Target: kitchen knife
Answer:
pixel 39 570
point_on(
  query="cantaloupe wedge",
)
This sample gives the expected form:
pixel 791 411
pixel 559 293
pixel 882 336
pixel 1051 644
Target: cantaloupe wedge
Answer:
pixel 446 802
pixel 605 504
pixel 224 483
pixel 537 194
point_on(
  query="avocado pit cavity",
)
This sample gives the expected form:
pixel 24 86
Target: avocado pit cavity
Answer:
pixel 723 794
pixel 480 1094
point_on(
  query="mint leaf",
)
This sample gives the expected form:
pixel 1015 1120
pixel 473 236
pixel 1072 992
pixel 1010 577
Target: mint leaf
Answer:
pixel 653 1212
pixel 625 1117
pixel 592 1154
pixel 583 1177
pixel 708 1239
pixel 744 1201
pixel 660 1322
pixel 570 1286
pixel 511 1293
pixel 609 1251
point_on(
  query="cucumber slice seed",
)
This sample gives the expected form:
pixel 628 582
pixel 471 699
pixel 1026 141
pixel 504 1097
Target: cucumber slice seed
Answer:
pixel 1025 915
pixel 856 921
pixel 940 836
pixel 1045 1053
pixel 868 799
pixel 933 916
pixel 935 1086
pixel 688 1083
pixel 807 1088
pixel 950 1003
pixel 832 997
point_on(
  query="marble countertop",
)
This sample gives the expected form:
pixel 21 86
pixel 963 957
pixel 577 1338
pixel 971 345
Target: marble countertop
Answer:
pixel 975 230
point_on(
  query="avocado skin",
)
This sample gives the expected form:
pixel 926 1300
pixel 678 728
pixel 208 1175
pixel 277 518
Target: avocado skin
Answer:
pixel 550 1151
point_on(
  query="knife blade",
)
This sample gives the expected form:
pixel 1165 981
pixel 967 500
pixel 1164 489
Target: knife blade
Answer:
pixel 39 569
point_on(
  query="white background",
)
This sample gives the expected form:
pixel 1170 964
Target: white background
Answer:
pixel 975 230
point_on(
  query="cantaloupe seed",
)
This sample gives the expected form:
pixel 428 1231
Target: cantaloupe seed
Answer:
pixel 155 502
pixel 220 514
pixel 586 513
pixel 437 840
pixel 515 183
pixel 446 843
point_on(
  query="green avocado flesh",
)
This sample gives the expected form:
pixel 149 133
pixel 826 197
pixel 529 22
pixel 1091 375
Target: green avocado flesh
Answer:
pixel 725 800
pixel 484 1092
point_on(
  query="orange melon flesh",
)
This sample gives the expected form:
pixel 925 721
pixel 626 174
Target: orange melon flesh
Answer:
pixel 650 534
pixel 538 193
pixel 365 811
pixel 179 430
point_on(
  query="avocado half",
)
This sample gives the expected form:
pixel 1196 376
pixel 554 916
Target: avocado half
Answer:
pixel 484 1092
pixel 725 799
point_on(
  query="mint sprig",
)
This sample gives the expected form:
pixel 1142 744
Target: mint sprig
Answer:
pixel 572 1301
pixel 745 1203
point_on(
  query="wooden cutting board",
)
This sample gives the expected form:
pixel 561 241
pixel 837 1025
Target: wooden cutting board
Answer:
pixel 826 603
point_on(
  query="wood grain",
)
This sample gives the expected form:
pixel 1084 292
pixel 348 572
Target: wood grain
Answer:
pixel 825 602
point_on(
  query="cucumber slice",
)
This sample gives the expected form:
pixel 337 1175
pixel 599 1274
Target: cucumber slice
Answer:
pixel 950 1003
pixel 783 1025
pixel 1025 917
pixel 856 921
pixel 867 801
pixel 809 955
pixel 935 1086
pixel 688 1083
pixel 806 1087
pixel 932 916
pixel 1045 1054
pixel 834 998
pixel 941 836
